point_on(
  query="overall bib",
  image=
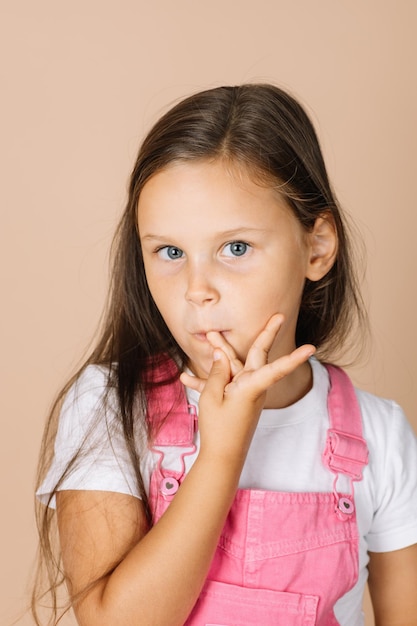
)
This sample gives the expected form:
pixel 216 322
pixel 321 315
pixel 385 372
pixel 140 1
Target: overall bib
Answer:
pixel 283 559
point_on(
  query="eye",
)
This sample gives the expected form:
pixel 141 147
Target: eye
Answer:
pixel 170 253
pixel 236 248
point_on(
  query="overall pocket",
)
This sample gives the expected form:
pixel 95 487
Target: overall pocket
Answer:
pixel 224 604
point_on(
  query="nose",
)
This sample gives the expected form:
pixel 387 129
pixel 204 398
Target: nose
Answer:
pixel 201 289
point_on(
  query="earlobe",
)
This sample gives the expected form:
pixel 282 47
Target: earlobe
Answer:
pixel 323 247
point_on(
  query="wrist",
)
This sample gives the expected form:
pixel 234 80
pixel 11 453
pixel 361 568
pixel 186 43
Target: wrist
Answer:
pixel 225 462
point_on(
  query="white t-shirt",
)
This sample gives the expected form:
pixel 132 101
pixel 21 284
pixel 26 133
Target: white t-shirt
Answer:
pixel 285 455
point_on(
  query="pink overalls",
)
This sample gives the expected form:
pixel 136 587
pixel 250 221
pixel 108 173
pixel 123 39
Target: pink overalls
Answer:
pixel 282 558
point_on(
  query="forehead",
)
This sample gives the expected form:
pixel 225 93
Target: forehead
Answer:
pixel 201 192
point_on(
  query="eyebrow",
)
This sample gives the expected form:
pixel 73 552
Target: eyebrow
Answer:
pixel 224 234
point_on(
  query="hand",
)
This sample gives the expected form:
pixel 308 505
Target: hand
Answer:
pixel 234 394
pixel 257 356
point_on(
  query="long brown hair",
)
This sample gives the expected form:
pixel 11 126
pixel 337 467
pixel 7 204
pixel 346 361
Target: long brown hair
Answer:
pixel 265 130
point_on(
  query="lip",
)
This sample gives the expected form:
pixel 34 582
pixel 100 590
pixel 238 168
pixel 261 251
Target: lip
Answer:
pixel 201 335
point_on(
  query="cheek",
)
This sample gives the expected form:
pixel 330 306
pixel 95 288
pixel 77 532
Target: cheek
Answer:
pixel 274 293
pixel 259 304
pixel 161 291
pixel 170 309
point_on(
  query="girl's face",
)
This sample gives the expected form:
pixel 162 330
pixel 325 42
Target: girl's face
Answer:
pixel 221 253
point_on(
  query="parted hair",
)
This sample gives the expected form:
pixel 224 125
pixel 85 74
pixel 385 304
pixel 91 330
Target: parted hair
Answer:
pixel 258 127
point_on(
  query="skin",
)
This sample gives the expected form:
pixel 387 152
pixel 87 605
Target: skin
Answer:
pixel 233 310
pixel 222 255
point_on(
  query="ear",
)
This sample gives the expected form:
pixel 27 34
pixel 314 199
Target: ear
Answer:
pixel 323 247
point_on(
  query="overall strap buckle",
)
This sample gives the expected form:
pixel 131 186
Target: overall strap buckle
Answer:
pixel 345 453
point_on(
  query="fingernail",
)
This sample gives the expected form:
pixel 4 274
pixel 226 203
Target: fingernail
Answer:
pixel 216 355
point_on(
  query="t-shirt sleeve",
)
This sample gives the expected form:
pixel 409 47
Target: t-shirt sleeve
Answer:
pixel 89 452
pixel 394 524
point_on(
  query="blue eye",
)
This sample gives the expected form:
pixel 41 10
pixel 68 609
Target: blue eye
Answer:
pixel 170 253
pixel 236 248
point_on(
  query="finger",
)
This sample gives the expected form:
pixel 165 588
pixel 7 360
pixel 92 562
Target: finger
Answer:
pixel 217 340
pixel 271 373
pixel 193 382
pixel 219 376
pixel 258 353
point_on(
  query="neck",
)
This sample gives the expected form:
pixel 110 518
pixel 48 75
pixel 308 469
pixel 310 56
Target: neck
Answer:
pixel 290 389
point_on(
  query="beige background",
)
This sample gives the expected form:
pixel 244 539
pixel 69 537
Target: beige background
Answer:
pixel 81 82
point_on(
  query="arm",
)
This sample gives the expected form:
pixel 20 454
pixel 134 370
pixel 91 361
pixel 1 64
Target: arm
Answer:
pixel 154 578
pixel 393 587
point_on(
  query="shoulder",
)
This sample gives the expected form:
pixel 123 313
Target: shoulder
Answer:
pixel 390 480
pixel 89 394
pixel 391 441
pixel 384 421
pixel 92 382
pixel 380 416
pixel 90 450
pixel 377 405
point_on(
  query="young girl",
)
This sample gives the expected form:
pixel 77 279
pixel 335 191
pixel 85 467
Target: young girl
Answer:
pixel 269 498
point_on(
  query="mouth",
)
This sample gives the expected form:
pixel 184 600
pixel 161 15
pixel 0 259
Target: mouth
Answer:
pixel 202 334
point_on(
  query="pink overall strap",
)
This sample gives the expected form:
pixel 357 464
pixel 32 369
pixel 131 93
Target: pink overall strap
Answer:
pixel 172 423
pixel 172 420
pixel 346 451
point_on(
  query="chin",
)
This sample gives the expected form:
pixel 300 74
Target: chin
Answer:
pixel 199 369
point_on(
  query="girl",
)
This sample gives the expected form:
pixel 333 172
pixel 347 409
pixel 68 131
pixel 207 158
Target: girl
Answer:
pixel 268 498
